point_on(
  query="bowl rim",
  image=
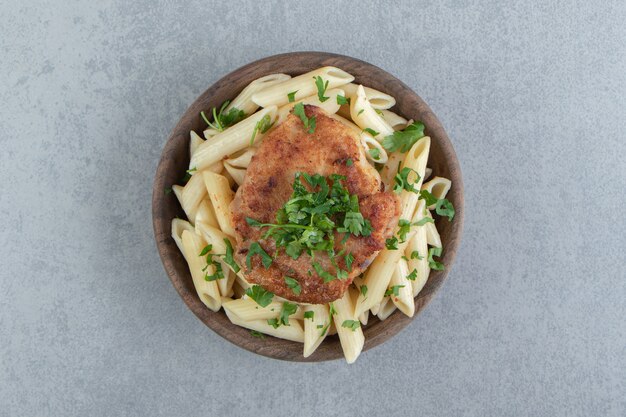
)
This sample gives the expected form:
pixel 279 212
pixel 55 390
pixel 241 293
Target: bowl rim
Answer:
pixel 162 226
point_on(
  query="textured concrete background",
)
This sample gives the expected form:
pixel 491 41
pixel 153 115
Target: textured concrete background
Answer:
pixel 532 319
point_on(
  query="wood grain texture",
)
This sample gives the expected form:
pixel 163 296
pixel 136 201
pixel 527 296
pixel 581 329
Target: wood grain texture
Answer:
pixel 175 159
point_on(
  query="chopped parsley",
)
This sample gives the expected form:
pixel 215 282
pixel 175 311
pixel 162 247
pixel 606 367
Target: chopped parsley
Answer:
pixel 256 249
pixel 309 315
pixel 223 120
pixel 262 126
pixel 360 111
pixel 309 219
pixel 321 88
pixel 349 163
pixel 228 256
pixel 292 96
pixel 412 276
pixel 375 153
pixel 423 221
pixel 349 258
pixel 401 181
pixel 428 197
pixel 341 100
pixel 416 255
pixel 294 285
pixel 257 334
pixel 393 290
pixel 287 310
pixel 444 208
pixel 309 122
pixel 351 324
pixel 260 295
pixel 363 290
pixel 371 131
pixel 433 264
pixel 392 243
pixel 219 273
pixel 403 140
pixel 332 310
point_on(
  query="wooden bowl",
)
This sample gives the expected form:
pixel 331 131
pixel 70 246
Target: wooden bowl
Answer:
pixel 175 159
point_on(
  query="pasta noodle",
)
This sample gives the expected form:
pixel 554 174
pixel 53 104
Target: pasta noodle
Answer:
pixel 208 291
pixel 330 105
pixel 377 99
pixel 218 165
pixel 352 340
pixel 244 101
pixel 364 115
pixel 303 85
pixel 231 140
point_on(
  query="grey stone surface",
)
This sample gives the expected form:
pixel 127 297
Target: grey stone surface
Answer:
pixel 531 320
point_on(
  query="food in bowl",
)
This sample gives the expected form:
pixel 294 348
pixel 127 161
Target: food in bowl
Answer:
pixel 308 209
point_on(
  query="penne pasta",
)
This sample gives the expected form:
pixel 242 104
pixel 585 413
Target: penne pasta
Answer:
pixel 415 159
pixel 205 213
pixel 293 332
pixel 314 335
pixel 394 120
pixel 365 117
pixel 386 309
pixel 244 101
pixel 404 288
pixel 438 187
pixel 178 226
pixel 432 235
pixel 417 251
pixel 215 237
pixel 209 133
pixel 303 86
pixel 330 105
pixel 194 142
pixel 391 168
pixel 427 173
pixel 237 174
pixel 351 339
pixel 377 99
pixel 207 291
pixel 354 295
pixel 221 196
pixel 231 140
pixel 242 160
pixel 374 151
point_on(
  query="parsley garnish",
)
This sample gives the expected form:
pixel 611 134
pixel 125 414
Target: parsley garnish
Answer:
pixel 393 290
pixel 228 256
pixel 256 249
pixel 438 266
pixel 257 334
pixel 392 243
pixel 294 285
pixel 309 315
pixel 416 255
pixel 292 96
pixel 223 120
pixel 402 181
pixel 445 208
pixel 349 162
pixel 371 131
pixel 351 324
pixel 423 221
pixel 412 276
pixel 363 290
pixel 375 153
pixel 428 197
pixel 360 111
pixel 332 310
pixel 324 328
pixel 405 228
pixel 341 100
pixel 219 273
pixel 402 140
pixel 260 295
pixel 287 310
pixel 308 220
pixel 309 122
pixel 349 258
pixel 321 88
pixel 262 126
pixel 325 275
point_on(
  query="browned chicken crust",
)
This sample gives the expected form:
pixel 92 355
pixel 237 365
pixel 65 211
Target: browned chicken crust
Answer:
pixel 289 149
